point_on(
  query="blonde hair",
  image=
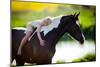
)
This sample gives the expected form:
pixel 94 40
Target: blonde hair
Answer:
pixel 49 19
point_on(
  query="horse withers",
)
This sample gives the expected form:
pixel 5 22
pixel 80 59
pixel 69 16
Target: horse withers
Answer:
pixel 33 52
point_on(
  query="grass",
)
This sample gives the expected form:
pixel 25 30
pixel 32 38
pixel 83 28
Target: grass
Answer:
pixel 60 62
pixel 86 58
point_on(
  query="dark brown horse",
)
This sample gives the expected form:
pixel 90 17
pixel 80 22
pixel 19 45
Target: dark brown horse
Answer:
pixel 33 52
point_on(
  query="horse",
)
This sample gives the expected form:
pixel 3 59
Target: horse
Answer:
pixel 33 52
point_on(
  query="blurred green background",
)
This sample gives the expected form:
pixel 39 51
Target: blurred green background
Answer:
pixel 23 12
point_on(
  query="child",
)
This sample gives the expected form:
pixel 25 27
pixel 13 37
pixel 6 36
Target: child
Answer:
pixel 38 25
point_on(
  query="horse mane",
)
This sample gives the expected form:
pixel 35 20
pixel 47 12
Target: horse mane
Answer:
pixel 60 19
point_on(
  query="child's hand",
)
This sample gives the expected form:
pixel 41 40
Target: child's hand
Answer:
pixel 42 42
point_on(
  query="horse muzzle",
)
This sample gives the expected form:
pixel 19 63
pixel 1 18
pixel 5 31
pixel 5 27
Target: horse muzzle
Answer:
pixel 82 42
pixel 82 39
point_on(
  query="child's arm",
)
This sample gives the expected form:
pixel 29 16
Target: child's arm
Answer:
pixel 39 36
pixel 38 32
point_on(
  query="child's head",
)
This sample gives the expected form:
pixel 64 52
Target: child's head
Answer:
pixel 47 21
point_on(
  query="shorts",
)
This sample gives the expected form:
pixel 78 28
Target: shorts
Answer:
pixel 30 29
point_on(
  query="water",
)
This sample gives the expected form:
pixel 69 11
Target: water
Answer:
pixel 68 51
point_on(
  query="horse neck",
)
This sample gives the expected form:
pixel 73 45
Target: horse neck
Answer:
pixel 54 37
pixel 60 33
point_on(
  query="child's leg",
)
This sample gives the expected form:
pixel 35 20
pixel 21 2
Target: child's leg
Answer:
pixel 24 40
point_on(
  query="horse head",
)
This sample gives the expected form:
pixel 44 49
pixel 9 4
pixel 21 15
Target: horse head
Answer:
pixel 71 25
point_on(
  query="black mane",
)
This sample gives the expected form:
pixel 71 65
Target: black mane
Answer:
pixel 63 19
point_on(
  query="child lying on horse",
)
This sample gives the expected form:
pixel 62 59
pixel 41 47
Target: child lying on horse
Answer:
pixel 38 25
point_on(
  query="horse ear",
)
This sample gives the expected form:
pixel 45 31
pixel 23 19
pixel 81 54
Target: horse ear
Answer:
pixel 77 14
pixel 74 14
